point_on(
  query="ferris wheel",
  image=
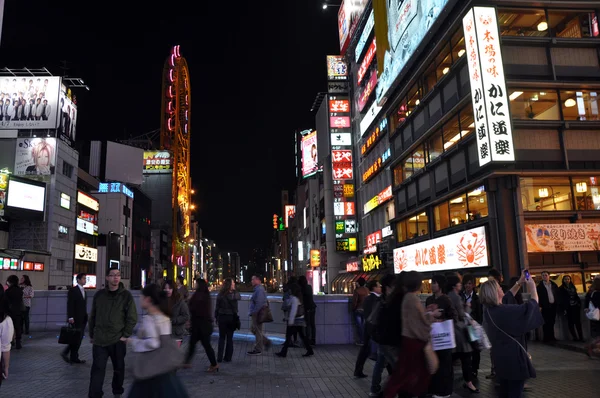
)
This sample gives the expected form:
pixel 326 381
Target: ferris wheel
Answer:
pixel 175 136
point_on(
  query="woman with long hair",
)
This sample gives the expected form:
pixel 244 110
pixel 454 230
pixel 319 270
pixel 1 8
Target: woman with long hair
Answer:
pixel 25 284
pixel 178 309
pixel 296 323
pixel 593 296
pixel 6 335
pixel 202 325
pixel 226 313
pixel 157 323
pixel 570 306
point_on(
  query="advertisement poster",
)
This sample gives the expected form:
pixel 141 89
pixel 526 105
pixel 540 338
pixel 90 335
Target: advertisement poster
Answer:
pixel 336 68
pixel 26 196
pixel 67 117
pixel 409 21
pixel 315 258
pixel 546 238
pixel 462 250
pixel 157 161
pixel 310 162
pixel 29 102
pixel 3 188
pixel 35 156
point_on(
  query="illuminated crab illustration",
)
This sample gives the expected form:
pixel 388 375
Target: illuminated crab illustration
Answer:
pixel 400 261
pixel 471 249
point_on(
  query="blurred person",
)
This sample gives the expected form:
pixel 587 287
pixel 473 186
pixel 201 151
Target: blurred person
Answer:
pixel 257 302
pixel 310 309
pixel 226 314
pixel 202 325
pixel 593 296
pixel 6 336
pixel 155 324
pixel 548 294
pixel 14 300
pixel 495 274
pixel 181 288
pixel 359 296
pixel 285 307
pixel 296 322
pixel 368 304
pixel 111 322
pixel 506 326
pixel 570 306
pixel 77 316
pixel 474 308
pixel 28 293
pixel 180 314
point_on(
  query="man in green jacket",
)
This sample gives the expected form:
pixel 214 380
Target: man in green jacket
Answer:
pixel 111 322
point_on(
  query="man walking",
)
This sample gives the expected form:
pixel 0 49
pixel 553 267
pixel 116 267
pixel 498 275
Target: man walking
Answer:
pixel 368 305
pixel 548 295
pixel 112 320
pixel 78 317
pixel 257 302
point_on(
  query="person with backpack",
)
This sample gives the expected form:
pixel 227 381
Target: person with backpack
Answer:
pixel 374 293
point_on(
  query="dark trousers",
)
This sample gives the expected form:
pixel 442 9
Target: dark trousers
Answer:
pixel 26 320
pixel 311 329
pixel 549 315
pixel 475 360
pixel 202 333
pixel 442 382
pixel 574 322
pixel 18 325
pixel 226 329
pixel 289 331
pixel 364 352
pixel 511 388
pixel 116 353
pixel 465 362
pixel 73 348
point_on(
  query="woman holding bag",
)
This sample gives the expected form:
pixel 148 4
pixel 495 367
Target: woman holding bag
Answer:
pixel 593 297
pixel 157 355
pixel 226 313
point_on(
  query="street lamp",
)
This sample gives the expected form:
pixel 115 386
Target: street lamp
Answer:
pixel 327 5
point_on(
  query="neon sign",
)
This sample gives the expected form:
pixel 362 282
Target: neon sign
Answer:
pixel 115 187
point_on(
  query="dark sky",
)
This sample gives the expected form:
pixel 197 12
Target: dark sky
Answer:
pixel 255 69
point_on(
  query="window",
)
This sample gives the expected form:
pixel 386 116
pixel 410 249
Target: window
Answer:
pixel 467 122
pixel 478 206
pixel 407 168
pixel 458 210
pixel 587 192
pixel 423 224
pixel 65 201
pixel 522 22
pixel 530 104
pixel 414 99
pixel 399 117
pixel 435 146
pixel 398 175
pixel 546 193
pixel 443 62
pixel 451 132
pixel 458 45
pixel 412 228
pixel 573 24
pixel 401 231
pixel 430 79
pixel 441 215
pixel 418 159
pixel 60 264
pixel 67 169
pixel 579 105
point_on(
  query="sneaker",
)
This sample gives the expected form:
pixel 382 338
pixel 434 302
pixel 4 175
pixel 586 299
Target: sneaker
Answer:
pixel 254 352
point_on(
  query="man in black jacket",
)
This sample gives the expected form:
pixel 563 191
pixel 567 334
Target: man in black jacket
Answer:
pixel 374 293
pixel 548 294
pixel 77 316
pixel 309 309
pixel 14 299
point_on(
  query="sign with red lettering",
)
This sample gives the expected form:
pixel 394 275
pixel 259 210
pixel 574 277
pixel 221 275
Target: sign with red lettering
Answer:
pixel 343 171
pixel 367 91
pixel 374 238
pixel 367 61
pixel 547 238
pixel 352 266
pixel 341 156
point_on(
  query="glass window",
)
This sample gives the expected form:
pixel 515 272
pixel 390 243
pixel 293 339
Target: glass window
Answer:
pixel 451 130
pixel 587 193
pixel 522 22
pixel 430 79
pixel 458 45
pixel 478 206
pixel 435 146
pixel 573 24
pixel 579 105
pixel 398 175
pixel 467 122
pixel 441 215
pixel 530 104
pixel 412 227
pixel 418 159
pixel 546 193
pixel 422 224
pixel 401 231
pixel 414 99
pixel 399 117
pixel 407 168
pixel 443 62
pixel 458 210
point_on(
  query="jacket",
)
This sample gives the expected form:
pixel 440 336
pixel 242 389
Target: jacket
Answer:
pixel 76 307
pixel 296 317
pixel 200 307
pixel 14 299
pixel 568 298
pixel 113 316
pixel 227 304
pixel 476 308
pixel 360 294
pixel 307 298
pixel 543 294
pixel 461 334
pixel 179 317
pixel 258 300
pixel 368 304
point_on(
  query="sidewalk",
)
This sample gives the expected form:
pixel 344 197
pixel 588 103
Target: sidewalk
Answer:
pixel 38 371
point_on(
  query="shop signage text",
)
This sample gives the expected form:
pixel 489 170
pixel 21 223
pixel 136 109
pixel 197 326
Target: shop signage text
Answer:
pixel 546 238
pixel 88 201
pixel 371 262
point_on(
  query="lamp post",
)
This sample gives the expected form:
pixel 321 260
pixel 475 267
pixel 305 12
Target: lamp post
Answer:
pixel 327 5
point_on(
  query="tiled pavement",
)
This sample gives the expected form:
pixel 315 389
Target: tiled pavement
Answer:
pixel 38 371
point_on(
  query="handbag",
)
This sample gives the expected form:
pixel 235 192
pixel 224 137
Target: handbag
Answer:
pixel 167 358
pixel 431 359
pixel 512 338
pixel 236 318
pixel 594 313
pixel 264 314
pixel 442 335
pixel 69 335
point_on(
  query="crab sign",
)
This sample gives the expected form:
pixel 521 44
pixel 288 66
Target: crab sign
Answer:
pixel 471 249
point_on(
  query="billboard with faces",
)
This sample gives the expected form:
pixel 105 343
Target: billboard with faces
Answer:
pixel 35 156
pixel 67 116
pixel 29 102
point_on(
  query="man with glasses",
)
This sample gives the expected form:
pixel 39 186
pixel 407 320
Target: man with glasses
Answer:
pixel 111 322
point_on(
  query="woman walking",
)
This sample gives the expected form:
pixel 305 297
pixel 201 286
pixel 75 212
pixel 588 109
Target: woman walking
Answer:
pixel 202 325
pixel 6 335
pixel 14 301
pixel 593 296
pixel 178 309
pixel 154 325
pixel 570 306
pixel 28 292
pixel 295 323
pixel 226 313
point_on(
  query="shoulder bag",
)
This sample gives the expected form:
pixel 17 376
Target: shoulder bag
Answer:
pixel 593 313
pixel 264 314
pixel 512 338
pixel 236 317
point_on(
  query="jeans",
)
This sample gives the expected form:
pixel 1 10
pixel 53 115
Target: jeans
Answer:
pixel 363 354
pixel 257 330
pixel 511 388
pixel 465 361
pixel 226 329
pixel 73 348
pixel 574 321
pixel 289 331
pixel 116 353
pixel 26 320
pixel 360 325
pixel 311 329
pixel 201 332
pixel 386 358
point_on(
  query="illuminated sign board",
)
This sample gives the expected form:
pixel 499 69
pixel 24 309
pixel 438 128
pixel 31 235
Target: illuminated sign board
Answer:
pixel 386 231
pixel 378 200
pixel 341 139
pixel 374 238
pixel 362 41
pixel 372 139
pixel 65 201
pixel 85 253
pixel 467 249
pixel 9 263
pixel 364 66
pixel 115 187
pixel 336 68
pixel 369 118
pixel 344 26
pixel 63 230
pixel 366 92
pixel 88 201
pixel 371 262
pixel 38 267
pixel 346 245
pixel 158 161
pixel 345 227
pixel 86 227
pixel 40 108
pixel 27 266
pixel 315 258
pixel 344 209
pixel 341 191
pixel 310 162
pixel 548 238
pixel 339 122
pixel 90 281
pixel 339 106
pixel 491 107
pixel 376 166
pixel 342 164
pixel 352 266
pixel 290 212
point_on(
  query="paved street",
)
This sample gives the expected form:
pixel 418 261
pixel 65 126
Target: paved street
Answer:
pixel 38 371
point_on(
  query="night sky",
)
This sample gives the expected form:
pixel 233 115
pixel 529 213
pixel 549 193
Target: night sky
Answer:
pixel 255 70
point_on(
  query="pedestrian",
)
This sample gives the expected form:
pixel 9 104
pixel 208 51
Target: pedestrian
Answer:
pixel 111 322
pixel 296 323
pixel 180 314
pixel 474 308
pixel 310 309
pixel 202 325
pixel 593 297
pixel 506 326
pixel 285 307
pixel 154 325
pixel 226 314
pixel 14 297
pixel 77 316
pixel 548 293
pixel 6 335
pixel 360 294
pixel 364 352
pixel 570 306
pixel 257 303
pixel 28 293
pixel 183 290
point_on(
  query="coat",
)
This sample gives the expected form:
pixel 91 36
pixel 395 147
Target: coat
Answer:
pixel 179 317
pixel 543 294
pixel 113 316
pixel 77 307
pixel 461 333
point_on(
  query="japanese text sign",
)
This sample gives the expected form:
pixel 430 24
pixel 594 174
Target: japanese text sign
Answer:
pixel 545 238
pixel 336 68
pixel 339 106
pixel 366 92
pixel 367 61
pixel 339 122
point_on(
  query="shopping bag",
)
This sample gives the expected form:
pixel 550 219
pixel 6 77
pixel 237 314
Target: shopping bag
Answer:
pixel 594 313
pixel 442 335
pixel 69 335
